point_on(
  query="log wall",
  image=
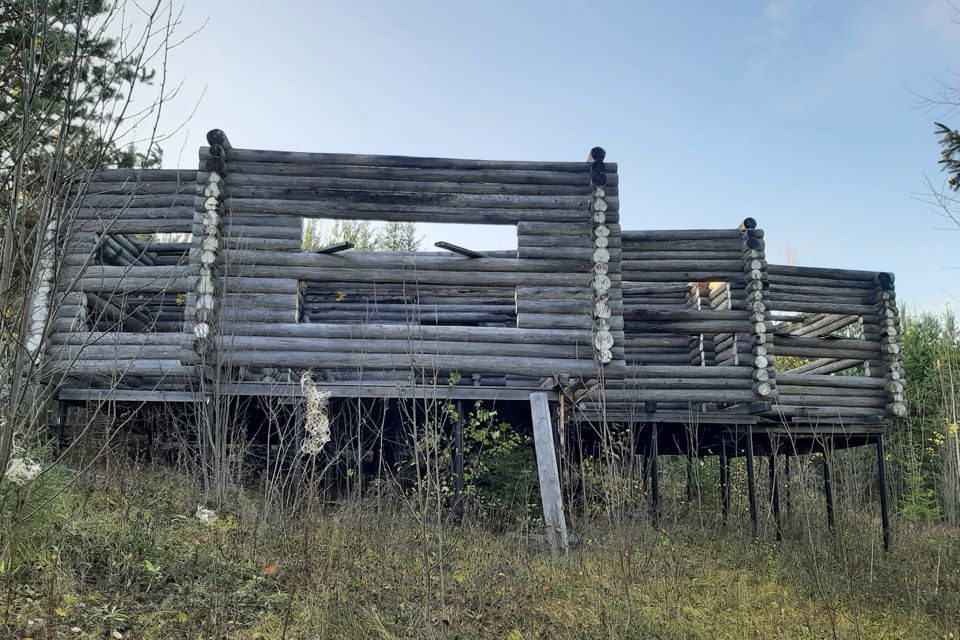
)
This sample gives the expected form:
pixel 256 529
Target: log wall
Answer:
pixel 543 299
pixel 627 321
pixel 684 306
pixel 837 342
pixel 119 317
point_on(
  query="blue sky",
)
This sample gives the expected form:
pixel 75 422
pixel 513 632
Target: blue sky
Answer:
pixel 797 113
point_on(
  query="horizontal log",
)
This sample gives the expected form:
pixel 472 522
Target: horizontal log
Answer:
pixel 136 225
pixel 579 240
pixel 233 314
pixel 636 375
pixel 506 176
pixel 830 400
pixel 635 358
pixel 529 229
pixel 535 366
pixel 367 199
pixel 110 352
pixel 685 265
pixel 819 272
pixel 135 284
pixel 294 232
pixel 141 175
pixel 778 288
pixel 810 391
pixel 562 321
pixel 132 271
pixel 394 261
pixel 243 179
pixel 579 256
pixel 678 245
pixel 848 382
pixel 784 281
pixel 134 201
pixel 380 346
pixel 644 314
pixel 554 293
pixel 634 289
pixel 633 275
pixel 629 254
pixel 411 315
pixel 825 412
pixel 260 285
pixel 247 243
pixel 414 276
pixel 375 331
pixel 143 187
pixel 240 156
pixel 677 326
pixel 134 367
pixel 678 395
pixel 682 234
pixel 680 383
pixel 336 210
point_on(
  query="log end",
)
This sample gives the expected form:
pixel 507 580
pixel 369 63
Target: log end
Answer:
pixel 218 137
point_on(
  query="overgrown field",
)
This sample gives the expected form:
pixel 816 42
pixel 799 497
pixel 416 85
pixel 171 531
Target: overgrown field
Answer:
pixel 127 556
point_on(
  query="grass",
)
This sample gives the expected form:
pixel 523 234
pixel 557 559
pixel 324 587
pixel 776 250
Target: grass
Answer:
pixel 128 559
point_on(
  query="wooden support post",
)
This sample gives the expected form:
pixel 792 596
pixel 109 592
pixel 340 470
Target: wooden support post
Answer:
pixel 775 494
pixel 882 487
pixel 786 484
pixel 751 482
pixel 654 474
pixel 61 422
pixel 549 476
pixel 828 489
pixel 645 470
pixel 458 463
pixel 724 481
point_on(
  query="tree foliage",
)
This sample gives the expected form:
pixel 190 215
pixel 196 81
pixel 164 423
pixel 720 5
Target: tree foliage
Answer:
pixel 68 73
pixel 364 235
pixel 950 154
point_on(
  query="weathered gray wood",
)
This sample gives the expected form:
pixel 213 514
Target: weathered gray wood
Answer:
pixel 394 261
pixel 809 379
pixel 522 365
pixel 819 272
pixel 682 235
pixel 463 251
pixel 504 176
pixel 414 332
pixel 414 275
pixel 550 494
pixel 826 365
pixel 360 160
pixel 244 179
pixel 673 395
pixel 349 345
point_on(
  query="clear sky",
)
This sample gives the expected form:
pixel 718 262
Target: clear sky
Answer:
pixel 799 113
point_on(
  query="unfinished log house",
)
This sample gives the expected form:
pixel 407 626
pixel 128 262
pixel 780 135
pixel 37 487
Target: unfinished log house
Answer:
pixel 690 335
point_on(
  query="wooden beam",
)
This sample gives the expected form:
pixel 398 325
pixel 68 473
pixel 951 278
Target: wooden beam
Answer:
pixel 882 487
pixel 469 253
pixel 336 248
pixel 751 482
pixel 549 475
